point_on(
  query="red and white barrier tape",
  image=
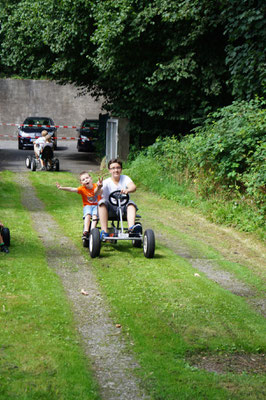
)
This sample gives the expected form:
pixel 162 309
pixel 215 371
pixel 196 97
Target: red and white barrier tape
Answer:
pixel 40 126
pixel 45 126
pixel 58 137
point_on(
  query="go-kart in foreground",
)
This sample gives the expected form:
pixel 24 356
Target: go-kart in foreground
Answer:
pixel 117 232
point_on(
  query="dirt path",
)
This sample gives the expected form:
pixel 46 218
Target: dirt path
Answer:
pixel 112 364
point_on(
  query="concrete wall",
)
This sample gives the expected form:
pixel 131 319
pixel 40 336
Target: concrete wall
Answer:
pixel 22 98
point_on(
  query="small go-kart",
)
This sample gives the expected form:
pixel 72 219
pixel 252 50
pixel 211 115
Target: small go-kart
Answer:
pixel 49 161
pixel 5 235
pixel 117 232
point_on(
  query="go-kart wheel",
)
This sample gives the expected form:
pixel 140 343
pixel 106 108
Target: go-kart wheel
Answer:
pixel 136 243
pixel 57 164
pixel 114 196
pixel 85 242
pixel 28 161
pixel 33 164
pixel 6 236
pixel 94 243
pixel 148 243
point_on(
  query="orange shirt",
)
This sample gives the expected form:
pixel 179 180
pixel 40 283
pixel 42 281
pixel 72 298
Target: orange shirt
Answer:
pixel 88 196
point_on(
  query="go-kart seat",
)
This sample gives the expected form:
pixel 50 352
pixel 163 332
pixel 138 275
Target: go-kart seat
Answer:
pixel 47 153
pixel 114 218
pixel 114 198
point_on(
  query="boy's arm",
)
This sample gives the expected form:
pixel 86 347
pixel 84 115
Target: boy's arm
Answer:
pixel 131 188
pixel 98 190
pixel 66 188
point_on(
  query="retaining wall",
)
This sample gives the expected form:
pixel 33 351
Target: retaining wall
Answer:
pixel 23 98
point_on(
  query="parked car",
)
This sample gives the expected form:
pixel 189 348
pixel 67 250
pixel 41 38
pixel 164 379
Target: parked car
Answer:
pixel 88 134
pixel 27 134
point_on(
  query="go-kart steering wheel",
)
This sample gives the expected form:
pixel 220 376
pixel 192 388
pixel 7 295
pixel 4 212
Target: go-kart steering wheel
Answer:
pixel 114 196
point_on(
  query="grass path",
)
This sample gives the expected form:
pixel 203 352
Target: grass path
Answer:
pixel 193 337
pixel 113 366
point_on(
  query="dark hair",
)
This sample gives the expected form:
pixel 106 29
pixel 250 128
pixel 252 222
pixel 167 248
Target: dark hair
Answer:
pixel 115 160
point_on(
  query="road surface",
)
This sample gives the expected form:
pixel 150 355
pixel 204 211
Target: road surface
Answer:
pixel 70 159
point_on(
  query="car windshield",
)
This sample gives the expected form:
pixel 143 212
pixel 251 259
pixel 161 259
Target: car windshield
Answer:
pixel 38 121
pixel 90 124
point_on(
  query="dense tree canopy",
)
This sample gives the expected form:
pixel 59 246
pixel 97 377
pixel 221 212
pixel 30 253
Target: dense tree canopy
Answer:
pixel 164 64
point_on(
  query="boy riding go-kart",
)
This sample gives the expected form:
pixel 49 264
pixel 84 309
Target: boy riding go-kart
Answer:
pixel 116 206
pixel 49 162
pixel 43 154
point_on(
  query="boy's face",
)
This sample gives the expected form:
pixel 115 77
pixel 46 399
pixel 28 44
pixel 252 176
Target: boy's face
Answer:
pixel 115 170
pixel 86 180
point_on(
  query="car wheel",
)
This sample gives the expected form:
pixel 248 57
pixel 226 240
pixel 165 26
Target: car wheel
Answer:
pixel 148 243
pixel 94 243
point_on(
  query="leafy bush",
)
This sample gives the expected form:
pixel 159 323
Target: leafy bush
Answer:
pixel 225 157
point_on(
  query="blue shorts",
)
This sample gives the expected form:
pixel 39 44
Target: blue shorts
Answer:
pixel 91 210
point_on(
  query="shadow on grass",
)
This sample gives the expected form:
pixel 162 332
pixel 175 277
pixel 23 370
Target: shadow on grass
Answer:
pixel 111 250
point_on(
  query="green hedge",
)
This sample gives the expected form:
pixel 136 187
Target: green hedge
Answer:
pixel 224 157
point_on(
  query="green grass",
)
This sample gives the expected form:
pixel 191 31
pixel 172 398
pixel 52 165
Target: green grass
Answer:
pixel 40 353
pixel 166 312
pixel 218 205
pixel 151 209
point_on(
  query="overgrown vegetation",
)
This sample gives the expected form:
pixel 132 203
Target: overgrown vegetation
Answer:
pixel 220 168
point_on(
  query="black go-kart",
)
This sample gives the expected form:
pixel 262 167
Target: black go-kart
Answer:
pixel 117 232
pixel 5 235
pixel 49 161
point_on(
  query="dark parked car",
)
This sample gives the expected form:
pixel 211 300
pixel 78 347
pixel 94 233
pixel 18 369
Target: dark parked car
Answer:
pixel 27 134
pixel 88 134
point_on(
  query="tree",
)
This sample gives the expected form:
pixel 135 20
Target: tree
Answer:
pixel 245 28
pixel 164 64
pixel 166 60
pixel 48 38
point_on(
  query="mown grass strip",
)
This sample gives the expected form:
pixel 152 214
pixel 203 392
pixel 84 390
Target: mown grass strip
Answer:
pixel 40 353
pixel 255 277
pixel 166 312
